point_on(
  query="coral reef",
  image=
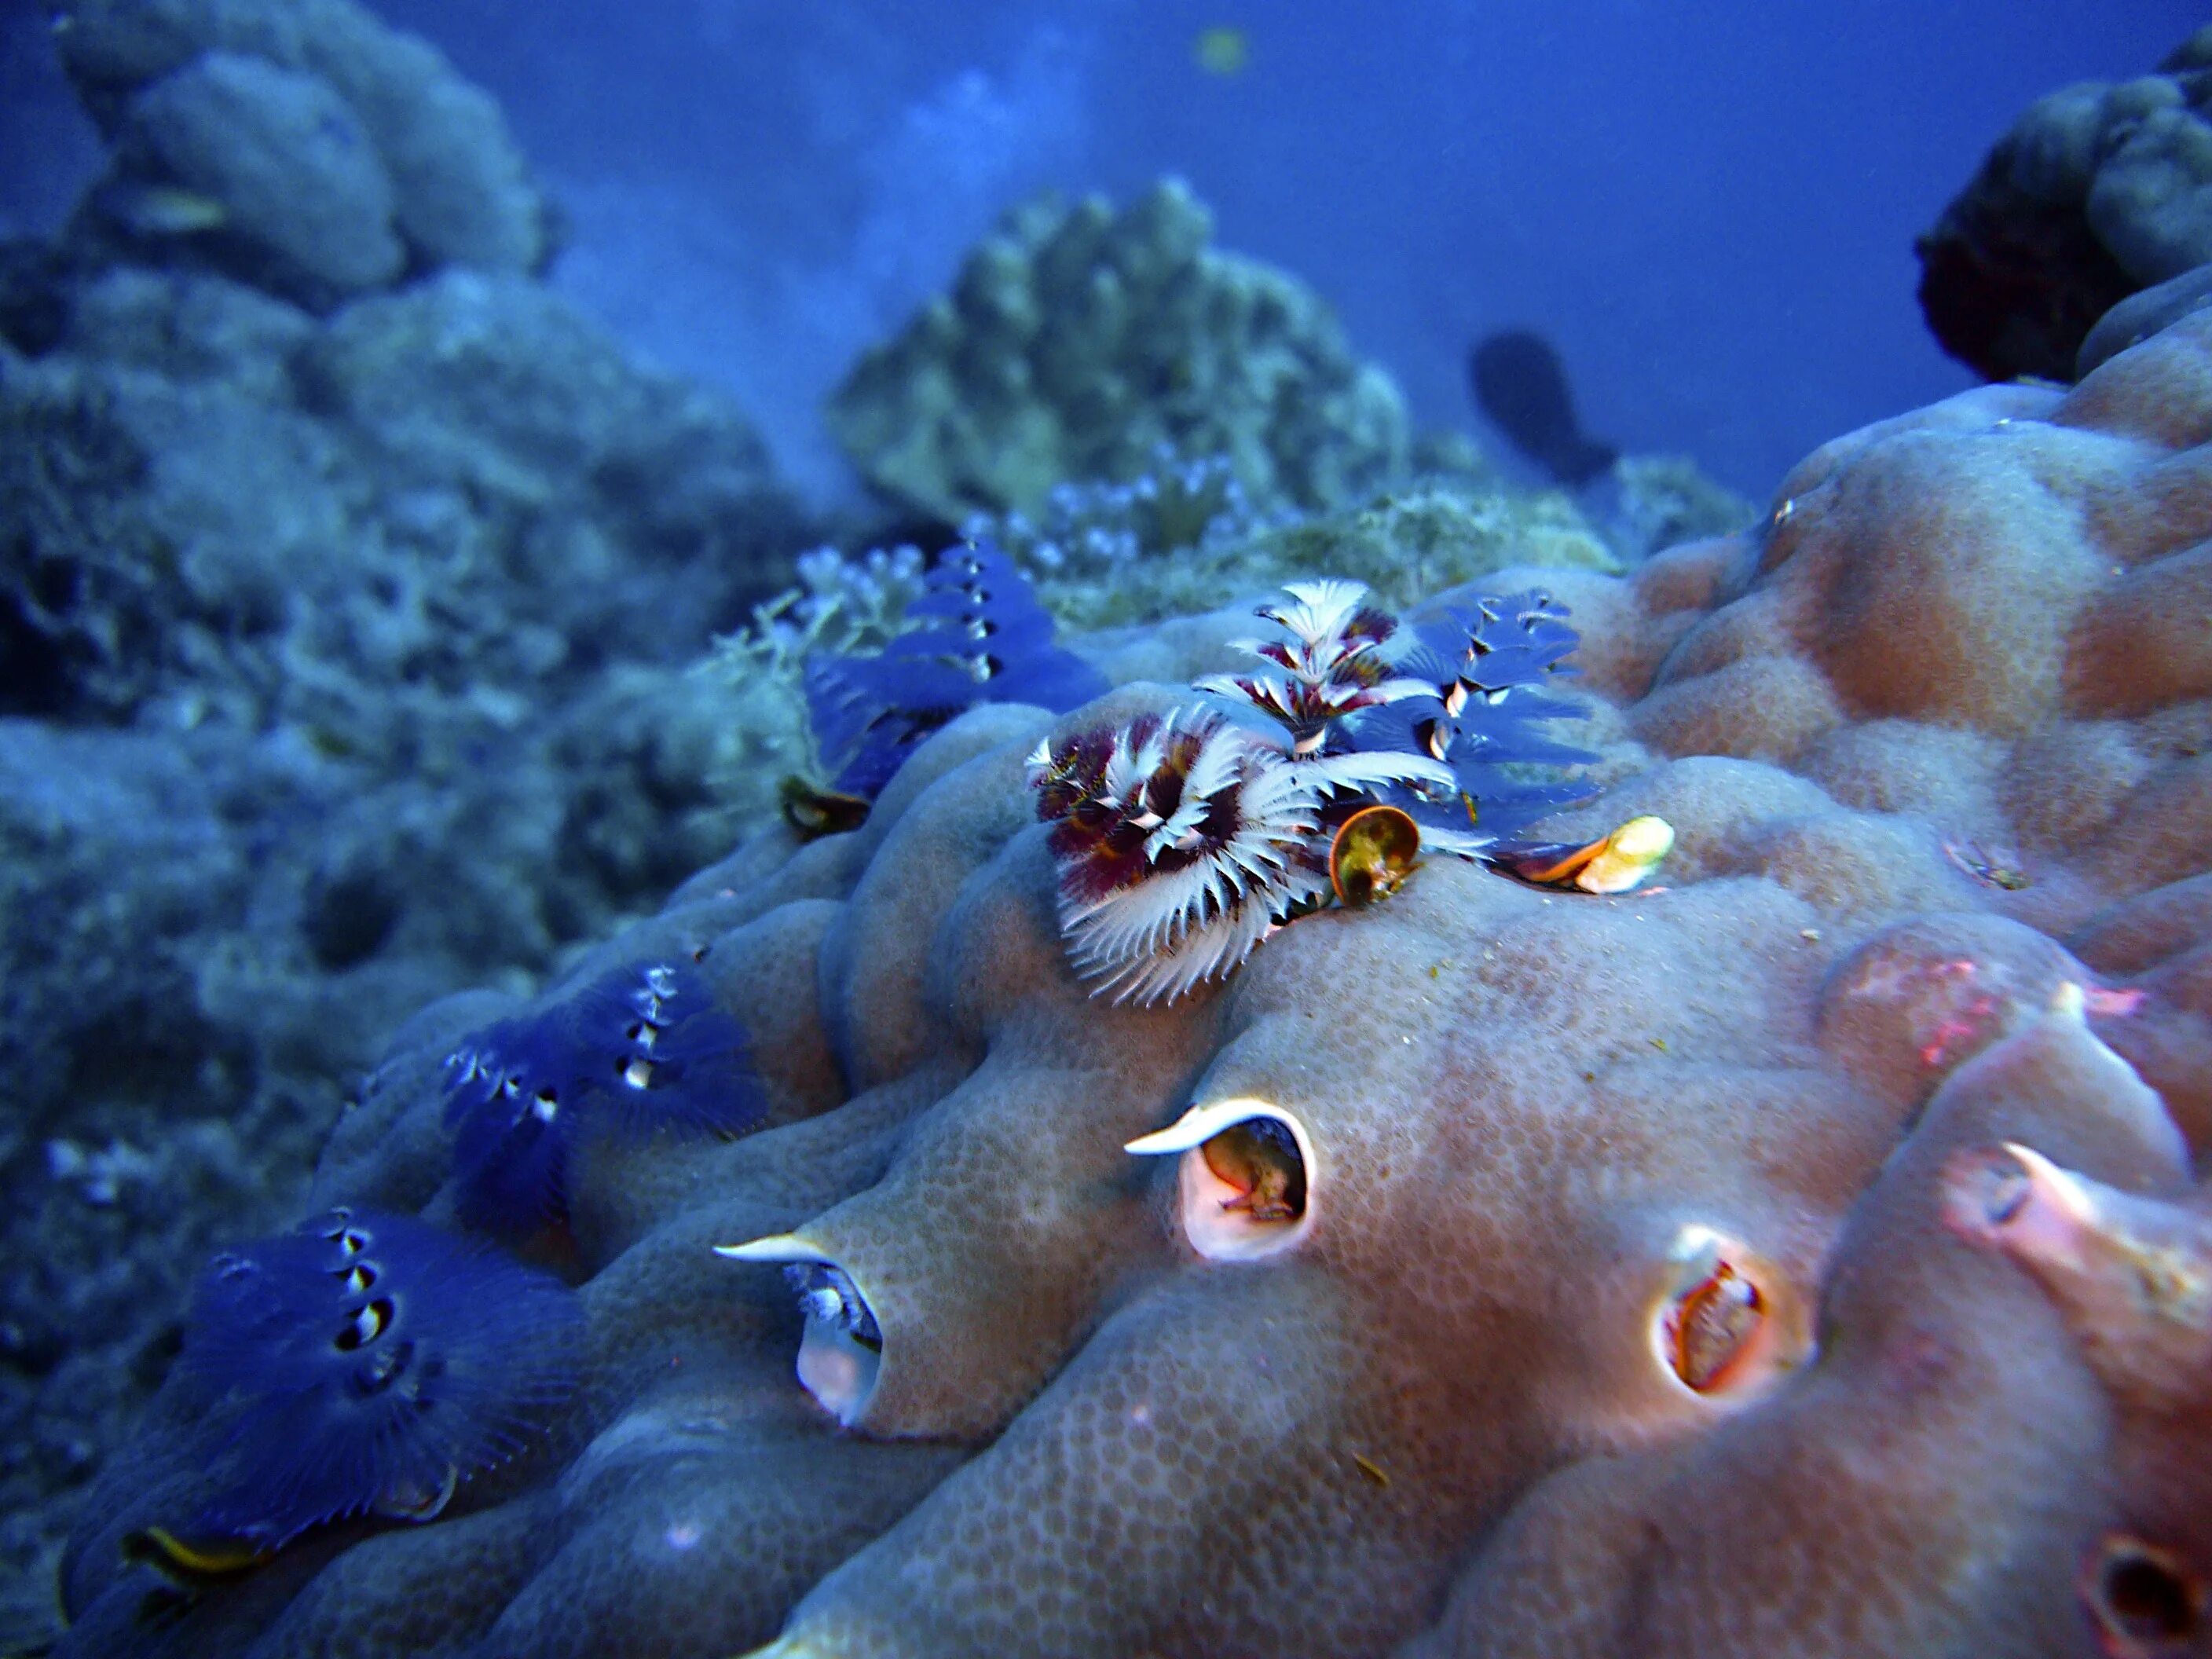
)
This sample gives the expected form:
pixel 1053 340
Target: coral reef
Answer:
pixel 1732 1266
pixel 304 148
pixel 841 606
pixel 1175 540
pixel 1077 341
pixel 1113 561
pixel 205 488
pixel 1405 544
pixel 2097 192
pixel 1185 537
pixel 1664 501
pixel 347 663
pixel 373 573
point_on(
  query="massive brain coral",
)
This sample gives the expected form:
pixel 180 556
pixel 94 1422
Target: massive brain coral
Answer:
pixel 1804 1255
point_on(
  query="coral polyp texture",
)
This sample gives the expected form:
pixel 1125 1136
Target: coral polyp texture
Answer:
pixel 1803 1253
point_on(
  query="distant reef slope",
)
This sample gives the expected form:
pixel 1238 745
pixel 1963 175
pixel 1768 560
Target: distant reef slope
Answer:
pixel 299 143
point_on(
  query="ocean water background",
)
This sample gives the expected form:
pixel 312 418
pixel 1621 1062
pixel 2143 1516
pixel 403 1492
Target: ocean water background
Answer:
pixel 1710 209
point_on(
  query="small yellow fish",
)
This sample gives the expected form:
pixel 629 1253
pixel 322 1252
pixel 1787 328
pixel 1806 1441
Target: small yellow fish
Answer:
pixel 147 210
pixel 1222 50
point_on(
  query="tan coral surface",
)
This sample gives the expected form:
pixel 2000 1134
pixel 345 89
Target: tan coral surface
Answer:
pixel 1802 1256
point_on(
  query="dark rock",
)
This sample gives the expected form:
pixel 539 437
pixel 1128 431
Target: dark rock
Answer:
pixel 2010 285
pixel 2098 190
pixel 33 306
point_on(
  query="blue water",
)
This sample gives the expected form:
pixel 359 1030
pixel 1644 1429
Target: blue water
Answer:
pixel 1710 210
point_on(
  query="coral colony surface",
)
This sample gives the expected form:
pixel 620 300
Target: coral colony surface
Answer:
pixel 1193 1173
pixel 1077 341
pixel 1302 1053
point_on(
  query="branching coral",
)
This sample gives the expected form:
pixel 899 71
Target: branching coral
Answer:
pixel 1087 530
pixel 1183 537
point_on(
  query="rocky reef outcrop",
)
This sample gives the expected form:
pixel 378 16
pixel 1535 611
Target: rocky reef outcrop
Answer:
pixel 306 148
pixel 2100 191
pixel 1806 1253
pixel 1078 342
pixel 347 662
pixel 345 622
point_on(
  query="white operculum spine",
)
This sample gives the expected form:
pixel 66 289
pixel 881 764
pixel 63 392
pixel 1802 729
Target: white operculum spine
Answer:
pixel 1247 1182
pixel 840 1350
pixel 1726 1325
